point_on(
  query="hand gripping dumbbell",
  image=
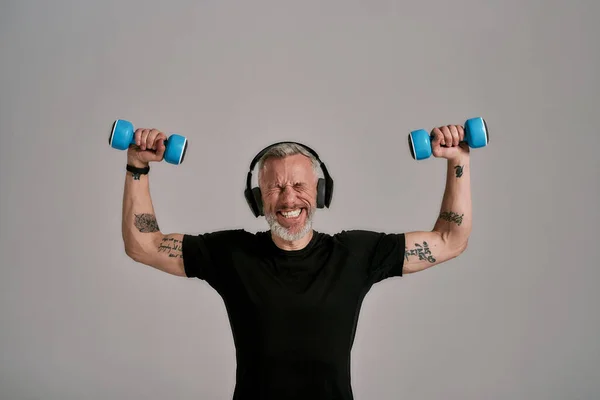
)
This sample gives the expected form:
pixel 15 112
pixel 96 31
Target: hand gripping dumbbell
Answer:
pixel 122 136
pixel 476 136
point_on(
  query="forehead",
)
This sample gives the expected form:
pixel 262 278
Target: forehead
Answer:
pixel 296 167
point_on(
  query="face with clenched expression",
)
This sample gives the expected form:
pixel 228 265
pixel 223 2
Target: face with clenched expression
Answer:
pixel 289 189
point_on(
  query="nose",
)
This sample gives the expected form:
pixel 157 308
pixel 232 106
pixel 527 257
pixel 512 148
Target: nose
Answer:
pixel 288 195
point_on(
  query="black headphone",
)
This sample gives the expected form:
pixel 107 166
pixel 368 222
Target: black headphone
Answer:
pixel 254 197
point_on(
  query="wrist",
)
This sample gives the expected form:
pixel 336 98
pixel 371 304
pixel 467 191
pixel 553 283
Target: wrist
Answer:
pixel 136 172
pixel 460 159
pixel 137 163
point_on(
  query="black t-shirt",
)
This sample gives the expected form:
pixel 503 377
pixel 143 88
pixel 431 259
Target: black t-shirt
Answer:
pixel 293 314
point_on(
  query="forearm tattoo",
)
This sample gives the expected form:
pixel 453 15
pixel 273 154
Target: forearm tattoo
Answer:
pixel 422 252
pixel 459 170
pixel 171 246
pixel 146 223
pixel 451 216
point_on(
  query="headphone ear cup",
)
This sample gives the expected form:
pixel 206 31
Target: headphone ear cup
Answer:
pixel 321 192
pixel 249 195
pixel 257 196
pixel 328 191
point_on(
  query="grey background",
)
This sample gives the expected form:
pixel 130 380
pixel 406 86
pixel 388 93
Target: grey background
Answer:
pixel 515 317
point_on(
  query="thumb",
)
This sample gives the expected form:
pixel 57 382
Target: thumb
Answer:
pixel 160 149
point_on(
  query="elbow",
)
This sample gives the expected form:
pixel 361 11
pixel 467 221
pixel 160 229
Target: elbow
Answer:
pixel 134 253
pixel 457 247
pixel 464 246
pixel 457 242
pixel 135 248
pixel 461 247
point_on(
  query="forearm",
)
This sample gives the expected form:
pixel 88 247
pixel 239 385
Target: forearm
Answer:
pixel 455 217
pixel 139 225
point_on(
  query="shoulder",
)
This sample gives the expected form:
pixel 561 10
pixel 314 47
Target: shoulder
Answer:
pixel 379 254
pixel 363 242
pixel 207 255
pixel 362 237
pixel 225 238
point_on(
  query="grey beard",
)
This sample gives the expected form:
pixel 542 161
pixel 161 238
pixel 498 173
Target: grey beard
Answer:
pixel 284 233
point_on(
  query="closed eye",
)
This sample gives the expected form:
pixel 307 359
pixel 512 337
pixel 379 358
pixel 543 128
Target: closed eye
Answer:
pixel 295 185
pixel 298 186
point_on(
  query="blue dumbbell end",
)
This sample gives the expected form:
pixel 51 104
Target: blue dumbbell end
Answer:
pixel 419 143
pixel 121 135
pixel 476 133
pixel 176 147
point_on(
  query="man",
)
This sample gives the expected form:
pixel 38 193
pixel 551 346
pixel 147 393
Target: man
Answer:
pixel 293 294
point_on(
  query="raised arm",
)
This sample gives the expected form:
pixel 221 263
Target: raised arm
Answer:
pixel 143 240
pixel 450 234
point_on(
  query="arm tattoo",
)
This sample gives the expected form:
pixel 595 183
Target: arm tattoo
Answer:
pixel 171 246
pixel 146 223
pixel 459 170
pixel 421 251
pixel 451 216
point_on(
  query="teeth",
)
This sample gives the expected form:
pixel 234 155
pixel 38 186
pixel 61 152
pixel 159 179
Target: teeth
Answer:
pixel 291 214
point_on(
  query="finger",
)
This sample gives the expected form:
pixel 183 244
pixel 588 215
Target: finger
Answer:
pixel 461 133
pixel 437 144
pixel 138 136
pixel 143 138
pixel 438 137
pixel 151 139
pixel 447 136
pixel 454 134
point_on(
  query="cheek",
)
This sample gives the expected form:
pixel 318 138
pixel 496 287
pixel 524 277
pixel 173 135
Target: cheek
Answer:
pixel 309 197
pixel 269 201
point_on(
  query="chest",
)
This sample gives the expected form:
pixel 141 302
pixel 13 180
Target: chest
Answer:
pixel 324 283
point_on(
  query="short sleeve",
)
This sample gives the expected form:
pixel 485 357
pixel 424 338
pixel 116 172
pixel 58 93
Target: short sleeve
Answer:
pixel 381 254
pixel 204 254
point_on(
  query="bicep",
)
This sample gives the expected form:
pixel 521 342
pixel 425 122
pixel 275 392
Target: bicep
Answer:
pixel 165 254
pixel 424 249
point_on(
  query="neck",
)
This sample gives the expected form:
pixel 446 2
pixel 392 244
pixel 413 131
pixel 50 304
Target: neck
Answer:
pixel 291 245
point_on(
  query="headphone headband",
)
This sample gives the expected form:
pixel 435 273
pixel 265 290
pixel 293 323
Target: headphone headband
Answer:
pixel 324 185
pixel 266 149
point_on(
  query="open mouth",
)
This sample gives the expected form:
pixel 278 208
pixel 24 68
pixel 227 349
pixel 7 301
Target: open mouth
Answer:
pixel 291 215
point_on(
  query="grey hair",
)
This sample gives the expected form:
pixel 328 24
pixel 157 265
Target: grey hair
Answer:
pixel 289 149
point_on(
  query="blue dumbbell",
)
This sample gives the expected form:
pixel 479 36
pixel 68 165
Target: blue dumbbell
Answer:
pixel 476 136
pixel 122 136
